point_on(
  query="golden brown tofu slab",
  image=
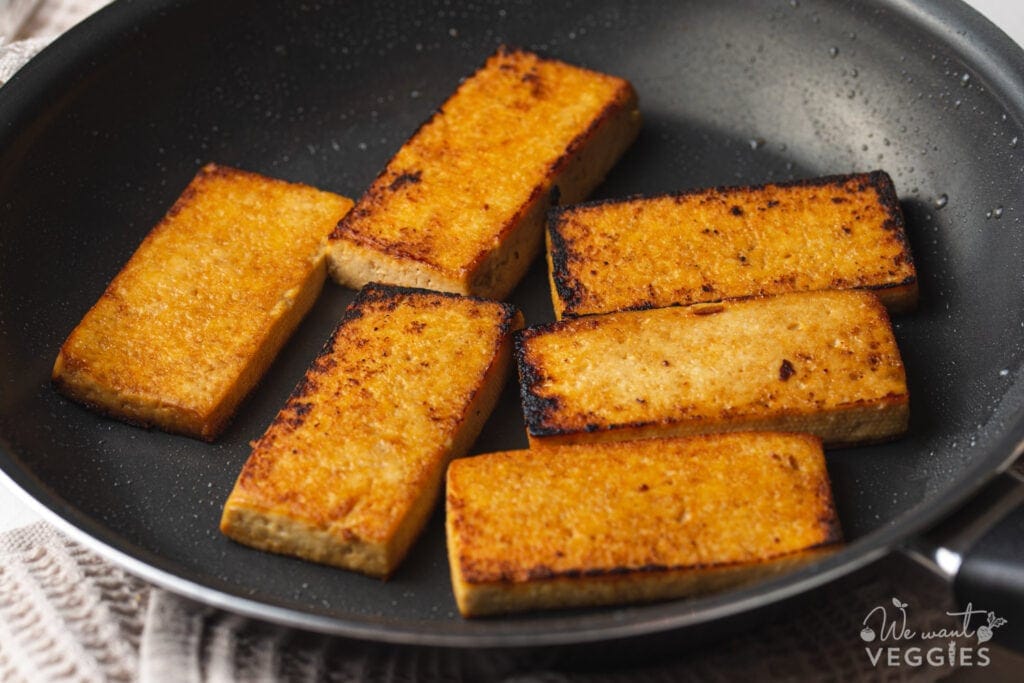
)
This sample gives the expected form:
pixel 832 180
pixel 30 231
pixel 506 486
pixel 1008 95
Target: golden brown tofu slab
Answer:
pixel 608 523
pixel 839 232
pixel 819 362
pixel 349 470
pixel 195 317
pixel 461 206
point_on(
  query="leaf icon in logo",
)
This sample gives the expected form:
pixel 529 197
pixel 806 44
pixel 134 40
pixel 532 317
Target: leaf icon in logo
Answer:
pixel 900 605
pixel 985 632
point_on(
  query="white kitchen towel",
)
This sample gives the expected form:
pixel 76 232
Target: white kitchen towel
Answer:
pixel 14 15
pixel 66 614
pixel 14 55
pixel 27 26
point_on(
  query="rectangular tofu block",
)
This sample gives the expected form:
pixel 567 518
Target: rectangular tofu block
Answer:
pixel 349 470
pixel 839 232
pixel 461 206
pixel 819 362
pixel 195 317
pixel 608 523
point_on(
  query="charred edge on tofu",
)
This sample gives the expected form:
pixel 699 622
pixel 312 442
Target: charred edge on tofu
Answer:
pixel 537 410
pixel 379 291
pixel 571 292
pixel 894 222
pixel 568 288
pixel 878 179
pixel 540 411
pixel 541 572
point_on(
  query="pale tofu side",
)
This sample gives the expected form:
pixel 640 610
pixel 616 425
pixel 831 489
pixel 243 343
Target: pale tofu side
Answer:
pixel 614 523
pixel 350 469
pixel 837 232
pixel 461 206
pixel 826 363
pixel 186 329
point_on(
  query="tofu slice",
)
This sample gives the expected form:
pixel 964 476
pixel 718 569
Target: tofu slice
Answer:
pixel 839 232
pixel 195 317
pixel 349 470
pixel 819 362
pixel 461 206
pixel 608 523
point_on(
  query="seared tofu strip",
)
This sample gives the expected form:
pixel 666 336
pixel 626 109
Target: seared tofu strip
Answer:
pixel 349 470
pixel 195 317
pixel 461 206
pixel 819 362
pixel 839 232
pixel 646 520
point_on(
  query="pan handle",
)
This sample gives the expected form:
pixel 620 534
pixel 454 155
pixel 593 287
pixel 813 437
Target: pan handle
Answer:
pixel 980 551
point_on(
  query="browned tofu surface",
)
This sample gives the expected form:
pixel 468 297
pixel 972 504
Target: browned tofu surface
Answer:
pixel 349 470
pixel 461 206
pixel 194 318
pixel 634 521
pixel 839 232
pixel 819 362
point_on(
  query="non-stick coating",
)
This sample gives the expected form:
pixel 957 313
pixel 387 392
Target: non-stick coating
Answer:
pixel 103 131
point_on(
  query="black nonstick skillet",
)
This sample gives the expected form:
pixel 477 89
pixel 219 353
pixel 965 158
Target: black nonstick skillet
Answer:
pixel 101 132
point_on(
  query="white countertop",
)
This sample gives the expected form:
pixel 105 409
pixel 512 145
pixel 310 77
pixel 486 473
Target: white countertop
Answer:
pixel 1007 14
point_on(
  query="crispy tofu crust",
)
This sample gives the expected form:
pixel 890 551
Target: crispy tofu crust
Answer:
pixel 461 206
pixel 195 317
pixel 838 232
pixel 349 470
pixel 819 362
pixel 644 520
